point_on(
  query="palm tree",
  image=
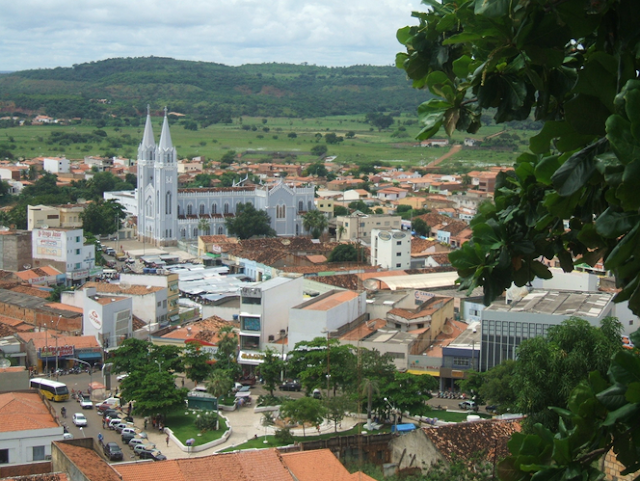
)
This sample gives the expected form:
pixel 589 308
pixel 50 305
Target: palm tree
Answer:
pixel 316 222
pixel 367 387
pixel 219 383
pixel 203 225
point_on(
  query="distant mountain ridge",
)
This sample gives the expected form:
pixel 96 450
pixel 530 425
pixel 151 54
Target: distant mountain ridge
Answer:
pixel 207 91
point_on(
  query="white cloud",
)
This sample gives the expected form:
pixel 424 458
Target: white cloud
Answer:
pixel 52 33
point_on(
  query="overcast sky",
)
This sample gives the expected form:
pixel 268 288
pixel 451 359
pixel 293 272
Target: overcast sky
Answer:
pixel 60 33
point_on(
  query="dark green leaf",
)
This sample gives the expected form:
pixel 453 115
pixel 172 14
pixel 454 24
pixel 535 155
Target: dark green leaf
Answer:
pixel 576 171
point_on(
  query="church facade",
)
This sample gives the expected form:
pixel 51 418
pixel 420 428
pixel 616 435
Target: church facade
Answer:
pixel 167 214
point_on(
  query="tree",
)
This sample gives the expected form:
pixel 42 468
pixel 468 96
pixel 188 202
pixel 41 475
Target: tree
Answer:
pixel 410 392
pixel 229 157
pixel 549 368
pixel 368 387
pixel 344 253
pixel 317 169
pixel 154 392
pixel 204 225
pixel 420 227
pixel 332 138
pixel 350 135
pixel 303 410
pixel 380 121
pixel 315 222
pixel 219 384
pixel 340 210
pixel 225 356
pixel 580 168
pixel 130 355
pixel 102 217
pixel 319 150
pixel 292 135
pixel 336 408
pixel 196 362
pixel 271 369
pixel 249 222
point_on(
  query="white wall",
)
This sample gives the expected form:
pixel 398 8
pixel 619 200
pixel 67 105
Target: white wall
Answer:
pixel 568 281
pixel 20 443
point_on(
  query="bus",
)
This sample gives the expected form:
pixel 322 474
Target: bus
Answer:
pixel 52 390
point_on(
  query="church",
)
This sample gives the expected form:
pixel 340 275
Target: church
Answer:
pixel 167 214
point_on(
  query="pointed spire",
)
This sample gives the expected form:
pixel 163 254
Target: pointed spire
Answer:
pixel 165 136
pixel 147 138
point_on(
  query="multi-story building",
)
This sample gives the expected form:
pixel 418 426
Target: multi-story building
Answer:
pixel 390 249
pixel 264 317
pixel 65 216
pixel 56 165
pixel 169 281
pixel 15 250
pixel 65 250
pixel 107 318
pixel 167 214
pixel 357 226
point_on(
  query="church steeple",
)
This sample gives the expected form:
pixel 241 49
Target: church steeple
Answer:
pixel 147 139
pixel 165 136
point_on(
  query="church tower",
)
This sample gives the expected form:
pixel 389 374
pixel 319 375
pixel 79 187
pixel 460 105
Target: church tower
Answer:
pixel 157 187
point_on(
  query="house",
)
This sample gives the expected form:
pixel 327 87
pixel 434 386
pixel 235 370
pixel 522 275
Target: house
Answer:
pixel 392 193
pixel 358 226
pixel 107 318
pixel 56 165
pixel 204 333
pixel 50 349
pixel 27 428
pixel 390 249
pixel 325 314
pixel 431 313
pixel 66 216
pixel 470 442
pixel 434 143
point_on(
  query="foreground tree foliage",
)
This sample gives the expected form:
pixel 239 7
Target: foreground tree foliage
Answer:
pixel 573 64
pixel 249 222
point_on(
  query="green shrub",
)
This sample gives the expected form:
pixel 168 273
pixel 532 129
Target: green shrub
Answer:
pixel 208 421
pixel 284 436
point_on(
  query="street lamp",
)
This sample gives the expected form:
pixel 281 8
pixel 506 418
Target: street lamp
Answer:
pixel 395 416
pixel 57 354
pixel 159 365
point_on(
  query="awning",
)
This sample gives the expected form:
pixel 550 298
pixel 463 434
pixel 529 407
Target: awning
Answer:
pixel 419 372
pixel 243 394
pixel 174 318
pixel 416 281
pixel 250 358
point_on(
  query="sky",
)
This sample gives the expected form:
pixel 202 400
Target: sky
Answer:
pixel 61 33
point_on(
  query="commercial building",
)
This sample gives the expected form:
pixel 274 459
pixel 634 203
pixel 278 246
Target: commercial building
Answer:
pixel 506 325
pixel 15 250
pixel 54 216
pixel 390 249
pixel 108 318
pixel 358 226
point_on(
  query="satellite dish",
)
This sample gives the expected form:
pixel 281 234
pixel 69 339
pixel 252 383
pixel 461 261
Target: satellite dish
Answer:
pixel 4 362
pixel 285 242
pixel 124 285
pixel 44 226
pixel 84 240
pixel 26 267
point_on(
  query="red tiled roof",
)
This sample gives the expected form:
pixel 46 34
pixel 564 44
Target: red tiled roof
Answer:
pixel 23 411
pixel 89 463
pixel 315 465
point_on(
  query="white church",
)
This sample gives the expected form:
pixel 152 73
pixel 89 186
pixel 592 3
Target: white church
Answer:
pixel 167 214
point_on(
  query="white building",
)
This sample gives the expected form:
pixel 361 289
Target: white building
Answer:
pixel 56 165
pixel 358 226
pixel 390 249
pixel 107 318
pixel 506 325
pixel 67 251
pixel 126 198
pixel 27 428
pixel 264 316
pixel 322 315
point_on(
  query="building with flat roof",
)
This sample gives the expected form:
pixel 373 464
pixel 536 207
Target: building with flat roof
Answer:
pixel 506 325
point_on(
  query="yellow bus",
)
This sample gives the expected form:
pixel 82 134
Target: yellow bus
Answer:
pixel 52 390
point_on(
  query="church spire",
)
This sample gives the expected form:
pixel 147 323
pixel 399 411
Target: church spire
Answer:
pixel 147 138
pixel 165 136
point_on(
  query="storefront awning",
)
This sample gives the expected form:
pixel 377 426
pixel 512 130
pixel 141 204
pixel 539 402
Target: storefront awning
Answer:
pixel 419 372
pixel 250 358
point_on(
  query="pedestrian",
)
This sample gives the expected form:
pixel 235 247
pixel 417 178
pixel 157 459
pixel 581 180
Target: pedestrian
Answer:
pixel 104 422
pixel 182 382
pixel 145 423
pixel 167 440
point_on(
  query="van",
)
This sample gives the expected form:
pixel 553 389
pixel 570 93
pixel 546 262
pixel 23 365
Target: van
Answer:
pixel 109 403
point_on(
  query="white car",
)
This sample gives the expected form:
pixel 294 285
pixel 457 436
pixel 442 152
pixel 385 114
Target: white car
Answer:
pixel 85 403
pixel 121 377
pixel 79 419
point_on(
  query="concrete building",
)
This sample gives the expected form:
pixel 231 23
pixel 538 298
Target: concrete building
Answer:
pixel 108 319
pixel 164 279
pixel 15 250
pixel 126 198
pixel 430 314
pixel 390 249
pixel 264 317
pixel 27 428
pixel 52 216
pixel 460 357
pixel 65 250
pixel 56 165
pixel 325 205
pixel 358 226
pixel 11 349
pixel 324 314
pixel 506 325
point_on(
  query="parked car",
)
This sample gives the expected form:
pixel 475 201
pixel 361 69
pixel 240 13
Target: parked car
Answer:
pixel 154 454
pixel 113 452
pixel 137 441
pixel 120 426
pixel 290 386
pixel 85 403
pixel 110 251
pixel 79 419
pixel 492 408
pixel 143 447
pixel 468 405
pixel 120 377
pixel 110 413
pixel 128 436
pixel 114 422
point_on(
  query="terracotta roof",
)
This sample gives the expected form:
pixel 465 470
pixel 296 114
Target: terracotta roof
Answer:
pixel 64 307
pixel 137 323
pixel 316 465
pixel 32 291
pixel 331 301
pixel 79 342
pixel 22 411
pixel 108 288
pixel 364 329
pixel 263 465
pixel 317 259
pixel 419 245
pixel 89 463
pixel 346 281
pixel 426 309
pixel 467 440
pixel 205 330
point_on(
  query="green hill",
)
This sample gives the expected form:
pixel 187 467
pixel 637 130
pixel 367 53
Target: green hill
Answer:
pixel 206 92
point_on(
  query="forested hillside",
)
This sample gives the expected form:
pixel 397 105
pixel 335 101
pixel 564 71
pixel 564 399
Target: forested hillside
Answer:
pixel 208 92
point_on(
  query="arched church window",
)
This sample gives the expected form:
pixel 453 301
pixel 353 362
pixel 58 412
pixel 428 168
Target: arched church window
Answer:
pixel 300 206
pixel 189 209
pixel 201 209
pixel 214 209
pixel 220 230
pixel 226 208
pixel 183 233
pixel 310 204
pixel 195 232
pixel 167 207
pixel 158 202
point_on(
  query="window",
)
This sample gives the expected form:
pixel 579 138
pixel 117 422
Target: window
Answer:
pixel 396 355
pixel 281 211
pixel 420 326
pixel 159 303
pixel 461 361
pixel 77 251
pixel 77 238
pixel 220 231
pixel 214 209
pixel 52 216
pixel 77 265
pixel 300 206
pixel 183 233
pixel 252 300
pixel 4 456
pixel 38 453
pixel 398 326
pixel 164 303
pixel 361 224
pixel 167 207
pixel 189 209
pixel 398 265
pixel 399 243
pixel 398 254
pixel 226 208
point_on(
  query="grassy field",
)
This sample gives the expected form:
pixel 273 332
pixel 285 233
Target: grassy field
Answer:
pixel 215 140
pixel 183 428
